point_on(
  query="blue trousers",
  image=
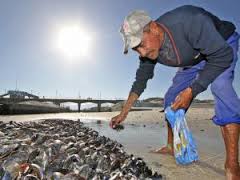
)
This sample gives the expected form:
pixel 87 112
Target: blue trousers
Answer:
pixel 227 103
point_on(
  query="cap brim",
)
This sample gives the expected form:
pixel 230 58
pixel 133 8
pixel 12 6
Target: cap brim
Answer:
pixel 126 46
pixel 134 42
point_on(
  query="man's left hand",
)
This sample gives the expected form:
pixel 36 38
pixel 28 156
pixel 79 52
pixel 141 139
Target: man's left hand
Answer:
pixel 183 100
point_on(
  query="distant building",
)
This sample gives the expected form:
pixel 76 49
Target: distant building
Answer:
pixel 19 95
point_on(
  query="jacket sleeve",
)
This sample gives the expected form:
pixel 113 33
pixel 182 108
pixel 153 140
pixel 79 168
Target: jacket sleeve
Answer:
pixel 204 37
pixel 144 72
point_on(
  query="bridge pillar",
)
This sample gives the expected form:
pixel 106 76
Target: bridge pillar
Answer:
pixel 99 107
pixel 57 103
pixel 79 107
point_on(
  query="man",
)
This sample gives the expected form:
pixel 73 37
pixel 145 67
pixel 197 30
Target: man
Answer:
pixel 205 48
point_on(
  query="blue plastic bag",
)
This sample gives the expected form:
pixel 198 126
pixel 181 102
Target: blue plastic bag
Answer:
pixel 185 148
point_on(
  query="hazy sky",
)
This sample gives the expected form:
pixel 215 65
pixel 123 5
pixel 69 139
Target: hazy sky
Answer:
pixel 32 61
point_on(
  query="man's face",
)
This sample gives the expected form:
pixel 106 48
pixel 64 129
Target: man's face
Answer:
pixel 149 46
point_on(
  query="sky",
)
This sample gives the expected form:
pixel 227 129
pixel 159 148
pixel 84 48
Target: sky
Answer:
pixel 34 56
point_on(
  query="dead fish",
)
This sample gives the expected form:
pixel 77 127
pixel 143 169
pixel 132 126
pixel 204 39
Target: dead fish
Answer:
pixel 71 159
pixel 37 171
pixel 7 176
pixel 60 149
pixel 57 176
pixel 33 155
pixel 83 170
pixel 1 134
pixel 70 139
pixel 73 176
pixel 11 171
pixel 2 172
pixel 8 149
pixel 116 175
pixel 30 177
pixel 115 164
pixel 72 150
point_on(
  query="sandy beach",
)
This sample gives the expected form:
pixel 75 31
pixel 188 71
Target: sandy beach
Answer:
pixel 146 130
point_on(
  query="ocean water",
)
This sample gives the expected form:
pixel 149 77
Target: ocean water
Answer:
pixel 134 136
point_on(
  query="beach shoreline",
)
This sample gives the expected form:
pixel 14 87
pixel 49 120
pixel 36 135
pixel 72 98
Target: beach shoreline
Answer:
pixel 146 130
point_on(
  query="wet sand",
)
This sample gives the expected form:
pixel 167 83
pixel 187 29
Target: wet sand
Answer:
pixel 146 130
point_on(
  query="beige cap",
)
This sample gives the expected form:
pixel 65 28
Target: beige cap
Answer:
pixel 132 28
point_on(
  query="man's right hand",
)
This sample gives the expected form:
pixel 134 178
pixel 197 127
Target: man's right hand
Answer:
pixel 117 120
pixel 126 108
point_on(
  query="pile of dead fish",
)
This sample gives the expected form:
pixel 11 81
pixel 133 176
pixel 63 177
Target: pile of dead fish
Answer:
pixel 64 149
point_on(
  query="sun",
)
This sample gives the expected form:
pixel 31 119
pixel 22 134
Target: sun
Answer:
pixel 73 41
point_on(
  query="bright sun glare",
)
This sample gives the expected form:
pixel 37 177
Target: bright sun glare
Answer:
pixel 73 41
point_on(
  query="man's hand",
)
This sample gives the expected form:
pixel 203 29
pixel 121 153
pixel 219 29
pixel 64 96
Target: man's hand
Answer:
pixel 183 100
pixel 126 108
pixel 117 120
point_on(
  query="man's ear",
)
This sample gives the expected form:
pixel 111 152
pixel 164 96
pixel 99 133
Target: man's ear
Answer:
pixel 154 28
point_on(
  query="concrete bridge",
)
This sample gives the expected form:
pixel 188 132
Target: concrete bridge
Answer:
pixel 59 101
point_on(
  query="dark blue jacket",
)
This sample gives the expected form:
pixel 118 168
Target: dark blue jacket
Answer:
pixel 194 35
